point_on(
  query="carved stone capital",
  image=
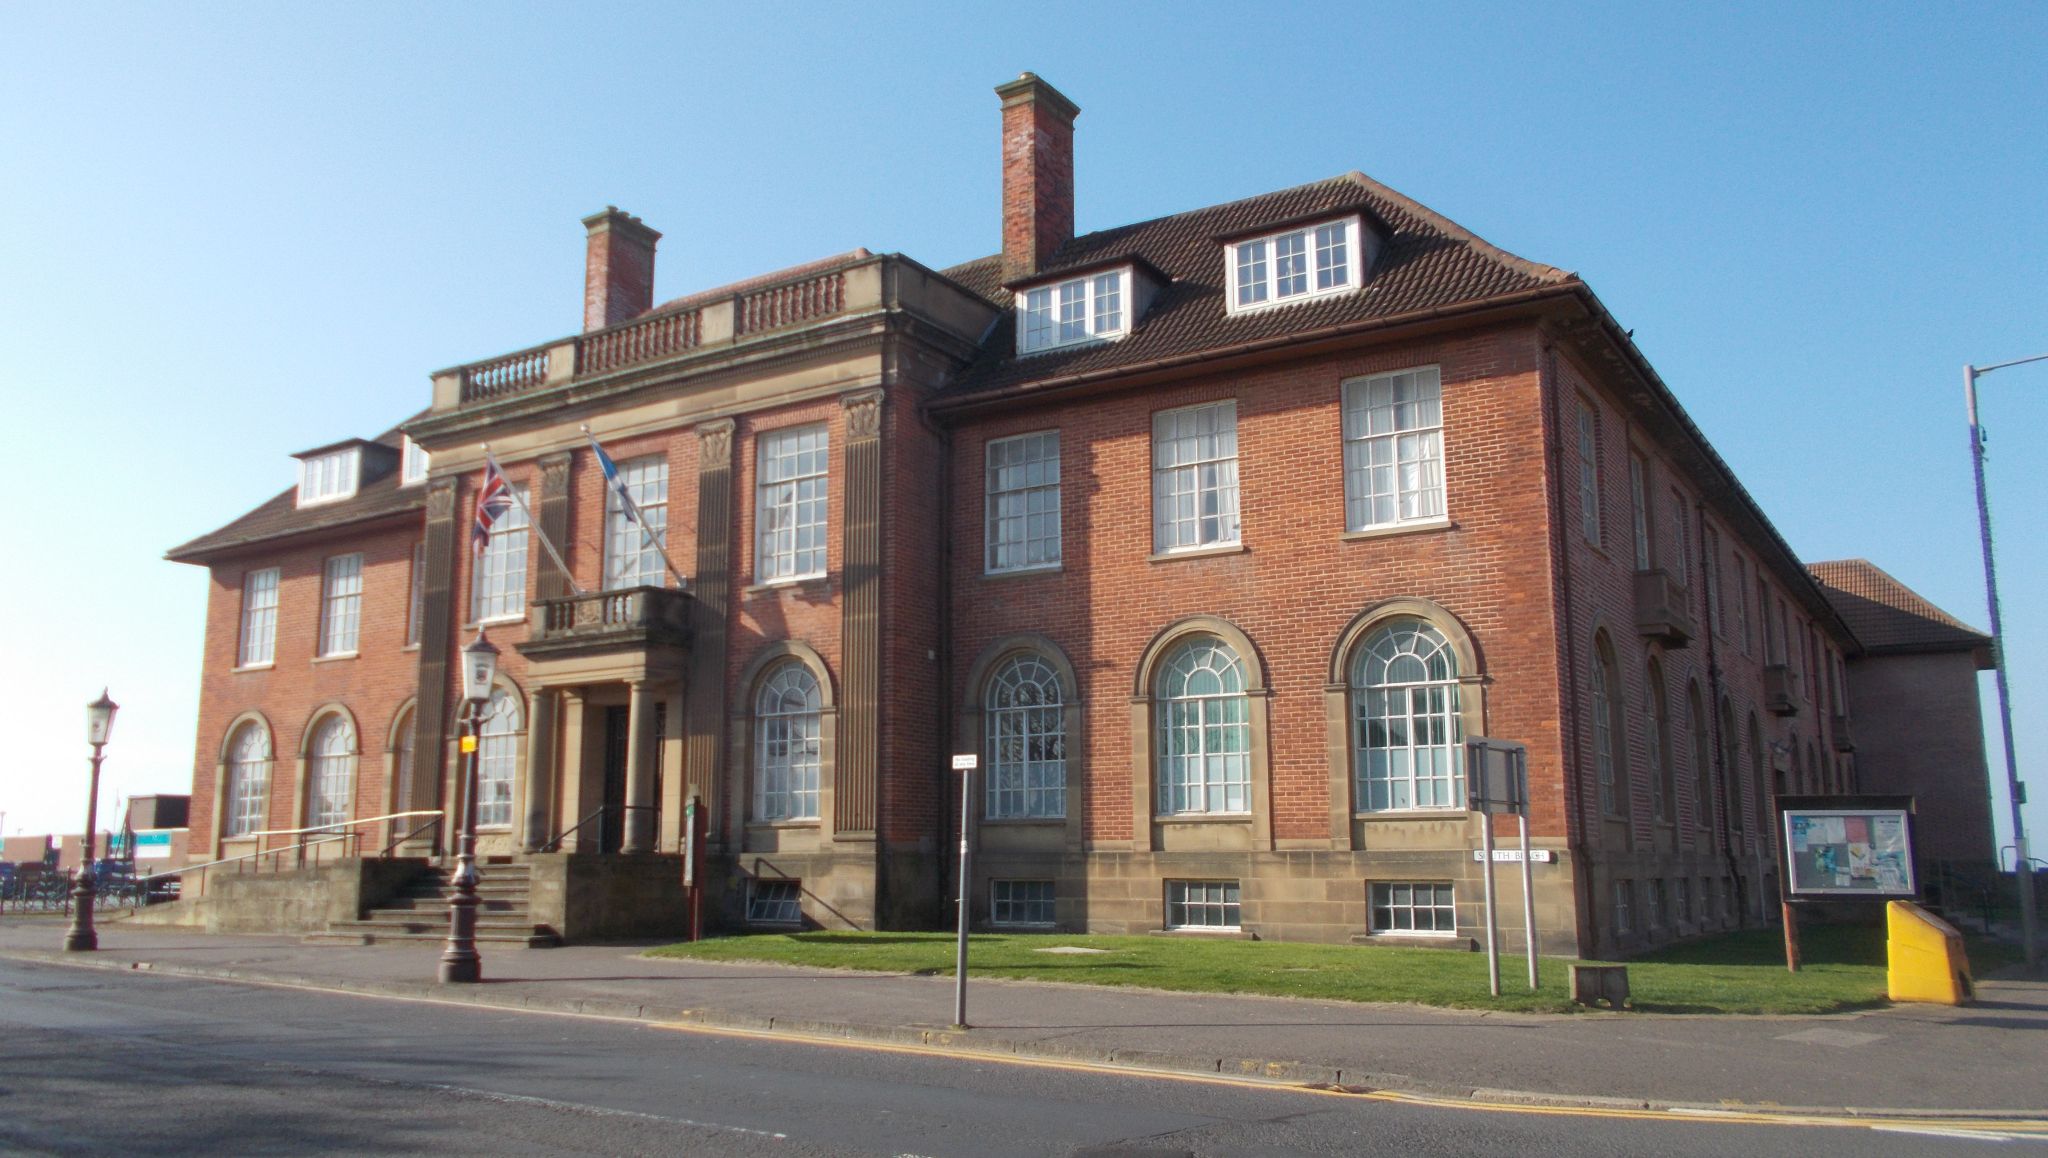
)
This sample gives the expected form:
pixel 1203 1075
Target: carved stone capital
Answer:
pixel 714 442
pixel 554 471
pixel 441 498
pixel 863 415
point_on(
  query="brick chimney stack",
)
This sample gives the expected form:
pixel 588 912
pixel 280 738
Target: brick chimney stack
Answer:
pixel 1038 173
pixel 618 268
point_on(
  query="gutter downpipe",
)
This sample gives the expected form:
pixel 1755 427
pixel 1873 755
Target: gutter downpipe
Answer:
pixel 941 786
pixel 1585 929
pixel 1715 696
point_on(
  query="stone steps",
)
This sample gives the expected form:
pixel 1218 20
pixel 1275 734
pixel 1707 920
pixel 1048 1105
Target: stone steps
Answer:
pixel 420 912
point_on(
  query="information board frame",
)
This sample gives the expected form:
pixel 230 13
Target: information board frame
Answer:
pixel 1807 830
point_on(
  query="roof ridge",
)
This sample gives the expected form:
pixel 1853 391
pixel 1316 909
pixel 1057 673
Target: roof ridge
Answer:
pixel 1900 597
pixel 1535 269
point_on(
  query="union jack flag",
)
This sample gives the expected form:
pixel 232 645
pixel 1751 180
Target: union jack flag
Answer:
pixel 493 499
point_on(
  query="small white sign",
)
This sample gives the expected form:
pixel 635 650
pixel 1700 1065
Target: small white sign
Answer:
pixel 966 762
pixel 1514 855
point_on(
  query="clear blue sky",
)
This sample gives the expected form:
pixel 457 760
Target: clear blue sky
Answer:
pixel 230 232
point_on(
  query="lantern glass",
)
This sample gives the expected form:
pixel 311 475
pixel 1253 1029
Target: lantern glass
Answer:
pixel 99 719
pixel 479 669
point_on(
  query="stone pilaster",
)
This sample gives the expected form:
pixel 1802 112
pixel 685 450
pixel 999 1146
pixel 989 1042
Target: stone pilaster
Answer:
pixel 437 632
pixel 859 752
pixel 553 513
pixel 704 729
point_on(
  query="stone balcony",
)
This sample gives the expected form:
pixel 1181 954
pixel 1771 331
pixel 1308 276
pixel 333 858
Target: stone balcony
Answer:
pixel 1838 731
pixel 1662 610
pixel 1779 684
pixel 636 619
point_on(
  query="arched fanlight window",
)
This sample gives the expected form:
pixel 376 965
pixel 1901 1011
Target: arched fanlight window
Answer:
pixel 787 751
pixel 1027 741
pixel 1607 730
pixel 1407 738
pixel 330 771
pixel 497 758
pixel 404 746
pixel 248 780
pixel 1204 730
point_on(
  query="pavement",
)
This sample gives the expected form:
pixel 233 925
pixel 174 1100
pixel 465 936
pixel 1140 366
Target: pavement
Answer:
pixel 1984 1061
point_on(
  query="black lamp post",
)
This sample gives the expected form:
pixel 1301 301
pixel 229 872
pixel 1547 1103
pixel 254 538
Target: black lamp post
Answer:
pixel 459 961
pixel 99 724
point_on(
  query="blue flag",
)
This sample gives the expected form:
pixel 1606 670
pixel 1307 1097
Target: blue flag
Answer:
pixel 612 479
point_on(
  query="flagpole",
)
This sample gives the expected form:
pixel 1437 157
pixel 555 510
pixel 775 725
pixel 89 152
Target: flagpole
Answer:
pixel 639 520
pixel 546 542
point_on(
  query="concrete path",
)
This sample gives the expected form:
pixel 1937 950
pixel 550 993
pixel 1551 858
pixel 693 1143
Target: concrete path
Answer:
pixel 1988 1058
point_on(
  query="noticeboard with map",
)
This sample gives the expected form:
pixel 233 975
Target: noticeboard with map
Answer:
pixel 1845 848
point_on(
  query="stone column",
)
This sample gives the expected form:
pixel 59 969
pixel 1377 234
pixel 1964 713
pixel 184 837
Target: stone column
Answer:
pixel 860 709
pixel 704 727
pixel 640 756
pixel 540 769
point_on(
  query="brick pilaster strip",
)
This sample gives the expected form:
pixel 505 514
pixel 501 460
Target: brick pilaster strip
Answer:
pixel 704 737
pixel 859 747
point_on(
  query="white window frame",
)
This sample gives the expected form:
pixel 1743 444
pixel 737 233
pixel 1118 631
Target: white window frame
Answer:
pixel 792 505
pixel 416 596
pixel 788 745
pixel 1624 906
pixel 1681 538
pixel 331 772
pixel 497 759
pixel 413 462
pixel 1025 719
pixel 329 477
pixel 247 785
pixel 1022 903
pixel 1388 897
pixel 1022 479
pixel 341 605
pixel 1394 449
pixel 497 580
pixel 1074 311
pixel 260 597
pixel 1261 277
pixel 1639 502
pixel 1195 779
pixel 1194 478
pixel 1224 899
pixel 784 907
pixel 1401 725
pixel 630 560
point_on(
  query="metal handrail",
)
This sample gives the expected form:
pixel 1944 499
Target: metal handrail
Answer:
pixel 555 845
pixel 299 846
pixel 425 826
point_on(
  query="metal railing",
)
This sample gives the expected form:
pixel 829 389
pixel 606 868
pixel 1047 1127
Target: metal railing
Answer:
pixel 555 843
pixel 297 849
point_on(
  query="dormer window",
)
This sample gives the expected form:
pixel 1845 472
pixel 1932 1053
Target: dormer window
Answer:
pixel 1306 262
pixel 1094 308
pixel 330 475
pixel 413 460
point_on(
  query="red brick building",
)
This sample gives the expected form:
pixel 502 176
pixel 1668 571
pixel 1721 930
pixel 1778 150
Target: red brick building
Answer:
pixel 1212 535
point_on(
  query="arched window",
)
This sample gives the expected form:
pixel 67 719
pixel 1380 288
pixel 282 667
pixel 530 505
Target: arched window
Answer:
pixel 1406 736
pixel 248 781
pixel 1204 730
pixel 330 771
pixel 1759 779
pixel 1657 730
pixel 1027 741
pixel 497 758
pixel 1702 761
pixel 1731 767
pixel 1813 770
pixel 786 745
pixel 1607 730
pixel 404 744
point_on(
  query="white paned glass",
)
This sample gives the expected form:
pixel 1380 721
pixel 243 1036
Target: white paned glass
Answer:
pixel 1194 477
pixel 1711 565
pixel 1624 906
pixel 1251 273
pixel 259 618
pixel 1589 477
pixel 1605 685
pixel 1073 311
pixel 1084 309
pixel 1108 303
pixel 1681 530
pixel 1333 262
pixel 331 772
pixel 327 477
pixel 775 902
pixel 1027 742
pixel 630 558
pixel 1639 508
pixel 1202 905
pixel 791 509
pixel 1037 320
pixel 341 604
pixel 1427 908
pixel 1023 475
pixel 498 588
pixel 1657 728
pixel 1020 902
pixel 1407 734
pixel 413 463
pixel 1204 727
pixel 497 758
pixel 1393 448
pixel 1292 265
pixel 1702 759
pixel 787 752
pixel 248 780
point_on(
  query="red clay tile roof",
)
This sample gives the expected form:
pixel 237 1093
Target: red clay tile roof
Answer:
pixel 1887 615
pixel 1427 262
pixel 281 516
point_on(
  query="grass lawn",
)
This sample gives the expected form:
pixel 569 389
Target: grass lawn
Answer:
pixel 1736 973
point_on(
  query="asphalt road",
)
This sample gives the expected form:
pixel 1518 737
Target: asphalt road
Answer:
pixel 129 1063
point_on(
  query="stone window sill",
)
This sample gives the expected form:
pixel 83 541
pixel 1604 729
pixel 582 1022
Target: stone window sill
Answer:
pixel 1198 552
pixel 1392 530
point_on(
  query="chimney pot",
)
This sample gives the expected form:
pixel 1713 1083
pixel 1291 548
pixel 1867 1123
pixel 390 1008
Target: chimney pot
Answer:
pixel 1038 173
pixel 618 268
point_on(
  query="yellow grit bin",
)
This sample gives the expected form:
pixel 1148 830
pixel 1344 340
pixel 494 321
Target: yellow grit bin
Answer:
pixel 1924 956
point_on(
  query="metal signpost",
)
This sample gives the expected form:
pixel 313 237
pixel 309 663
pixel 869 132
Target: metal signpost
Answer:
pixel 690 846
pixel 964 763
pixel 1497 780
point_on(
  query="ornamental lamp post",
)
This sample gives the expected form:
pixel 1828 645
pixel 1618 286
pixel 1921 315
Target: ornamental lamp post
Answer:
pixel 99 724
pixel 459 961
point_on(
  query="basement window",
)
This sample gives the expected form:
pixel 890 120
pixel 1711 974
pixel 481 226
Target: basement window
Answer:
pixel 1414 908
pixel 1020 902
pixel 774 902
pixel 1202 905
